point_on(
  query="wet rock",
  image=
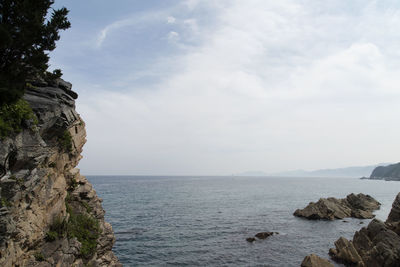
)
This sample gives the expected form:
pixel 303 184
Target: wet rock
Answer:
pixel 357 206
pixel 264 235
pixel 315 261
pixel 250 239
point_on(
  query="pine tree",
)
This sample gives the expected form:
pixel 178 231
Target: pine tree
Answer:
pixel 27 34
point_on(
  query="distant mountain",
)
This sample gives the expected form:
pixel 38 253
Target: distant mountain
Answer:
pixel 252 173
pixel 357 171
pixel 390 172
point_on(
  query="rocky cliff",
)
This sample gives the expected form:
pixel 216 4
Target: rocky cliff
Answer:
pixel 390 172
pixel 49 214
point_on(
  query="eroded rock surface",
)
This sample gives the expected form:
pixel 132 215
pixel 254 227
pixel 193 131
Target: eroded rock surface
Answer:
pixel 42 192
pixel 358 206
pixel 378 244
pixel 315 261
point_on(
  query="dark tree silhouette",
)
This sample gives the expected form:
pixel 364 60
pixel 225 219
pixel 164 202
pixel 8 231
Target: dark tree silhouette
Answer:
pixel 27 34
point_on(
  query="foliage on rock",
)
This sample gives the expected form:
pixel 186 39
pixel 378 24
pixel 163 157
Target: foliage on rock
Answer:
pixel 65 141
pixel 14 117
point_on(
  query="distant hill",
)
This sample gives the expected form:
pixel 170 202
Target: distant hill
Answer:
pixel 390 172
pixel 355 171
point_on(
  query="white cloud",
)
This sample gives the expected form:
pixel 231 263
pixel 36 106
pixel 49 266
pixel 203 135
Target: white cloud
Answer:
pixel 171 20
pixel 173 36
pixel 272 85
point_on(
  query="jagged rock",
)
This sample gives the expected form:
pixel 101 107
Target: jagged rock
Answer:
pixel 394 215
pixel 357 206
pixel 264 235
pixel 378 244
pixel 315 261
pixel 38 177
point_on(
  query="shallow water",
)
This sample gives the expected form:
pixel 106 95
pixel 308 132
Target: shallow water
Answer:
pixel 204 221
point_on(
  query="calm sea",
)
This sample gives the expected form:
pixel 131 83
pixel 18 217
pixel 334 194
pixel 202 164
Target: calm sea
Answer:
pixel 204 221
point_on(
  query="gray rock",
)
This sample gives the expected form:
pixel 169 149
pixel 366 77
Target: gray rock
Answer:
pixel 378 244
pixel 315 261
pixel 357 206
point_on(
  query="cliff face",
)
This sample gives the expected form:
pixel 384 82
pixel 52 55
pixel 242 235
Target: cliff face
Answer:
pixel 49 214
pixel 390 172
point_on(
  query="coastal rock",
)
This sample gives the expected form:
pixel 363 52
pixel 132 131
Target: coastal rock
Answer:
pixel 315 261
pixel 378 244
pixel 388 173
pixel 264 235
pixel 394 215
pixel 250 239
pixel 41 190
pixel 358 206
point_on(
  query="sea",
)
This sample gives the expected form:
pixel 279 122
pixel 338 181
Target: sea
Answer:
pixel 204 221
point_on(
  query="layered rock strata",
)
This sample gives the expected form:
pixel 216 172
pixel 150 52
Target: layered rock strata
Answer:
pixel 49 214
pixel 378 244
pixel 358 206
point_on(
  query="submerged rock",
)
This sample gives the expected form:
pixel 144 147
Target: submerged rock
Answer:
pixel 315 261
pixel 250 239
pixel 264 235
pixel 358 206
pixel 378 244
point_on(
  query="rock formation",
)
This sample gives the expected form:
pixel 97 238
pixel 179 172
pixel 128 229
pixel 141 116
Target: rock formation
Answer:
pixel 378 244
pixel 389 173
pixel 315 261
pixel 49 214
pixel 357 206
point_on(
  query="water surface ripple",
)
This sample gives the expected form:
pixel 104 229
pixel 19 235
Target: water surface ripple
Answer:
pixel 204 221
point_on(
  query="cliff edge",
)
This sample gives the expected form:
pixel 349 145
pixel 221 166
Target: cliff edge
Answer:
pixel 389 173
pixel 49 214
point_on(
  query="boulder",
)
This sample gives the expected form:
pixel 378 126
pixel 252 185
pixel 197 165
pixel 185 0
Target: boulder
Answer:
pixel 315 261
pixel 358 206
pixel 378 244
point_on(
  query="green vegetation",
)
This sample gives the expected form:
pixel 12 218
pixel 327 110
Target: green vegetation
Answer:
pixel 65 141
pixel 51 236
pixel 5 203
pixel 39 256
pixel 82 226
pixel 87 207
pixel 13 116
pixel 73 184
pixel 27 34
pixel 86 230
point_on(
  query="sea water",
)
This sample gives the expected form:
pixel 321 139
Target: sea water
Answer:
pixel 204 221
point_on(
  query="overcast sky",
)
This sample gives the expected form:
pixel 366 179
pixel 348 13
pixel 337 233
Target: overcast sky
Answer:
pixel 221 87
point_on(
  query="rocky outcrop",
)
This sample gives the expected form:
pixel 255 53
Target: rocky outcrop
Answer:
pixel 261 235
pixel 378 244
pixel 315 261
pixel 358 206
pixel 388 173
pixel 49 214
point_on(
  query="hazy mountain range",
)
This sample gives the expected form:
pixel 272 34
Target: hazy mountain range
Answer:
pixel 355 172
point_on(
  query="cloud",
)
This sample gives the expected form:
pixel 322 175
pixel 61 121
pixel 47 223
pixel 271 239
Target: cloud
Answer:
pixel 171 20
pixel 173 36
pixel 268 86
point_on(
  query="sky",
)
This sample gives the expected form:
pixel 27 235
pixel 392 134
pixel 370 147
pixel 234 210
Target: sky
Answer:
pixel 221 87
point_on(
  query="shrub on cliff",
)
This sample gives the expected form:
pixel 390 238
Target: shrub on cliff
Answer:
pixel 14 116
pixel 27 34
